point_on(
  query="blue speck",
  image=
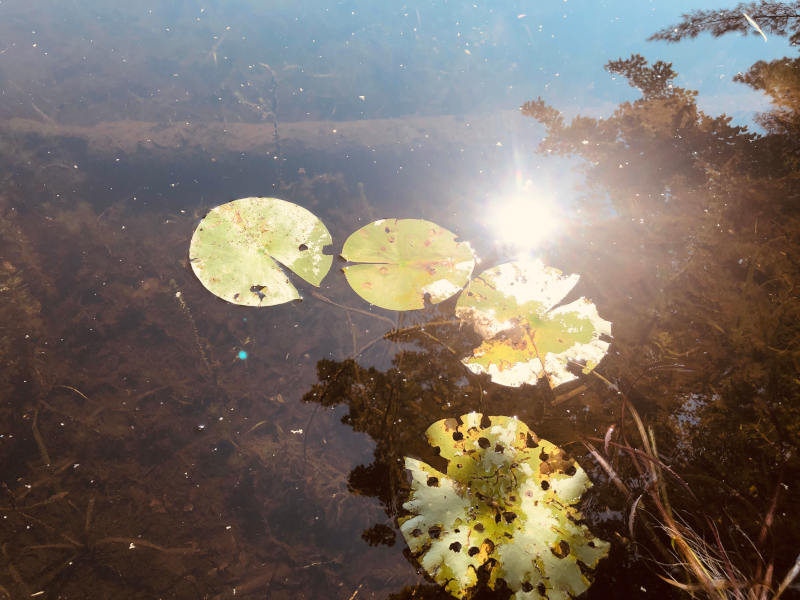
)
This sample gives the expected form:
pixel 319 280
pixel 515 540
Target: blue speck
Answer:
pixel 242 355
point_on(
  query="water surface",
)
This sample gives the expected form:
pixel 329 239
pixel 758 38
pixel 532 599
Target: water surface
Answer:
pixel 142 457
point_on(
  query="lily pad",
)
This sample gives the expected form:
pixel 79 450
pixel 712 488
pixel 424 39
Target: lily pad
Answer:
pixel 525 338
pixel 507 504
pixel 403 260
pixel 235 248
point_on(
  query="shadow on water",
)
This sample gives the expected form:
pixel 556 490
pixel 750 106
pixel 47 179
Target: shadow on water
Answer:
pixel 142 457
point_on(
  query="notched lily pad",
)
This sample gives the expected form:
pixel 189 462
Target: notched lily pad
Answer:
pixel 235 248
pixel 525 338
pixel 403 260
pixel 506 503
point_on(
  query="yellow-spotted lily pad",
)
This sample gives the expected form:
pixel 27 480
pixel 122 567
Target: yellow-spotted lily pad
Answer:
pixel 507 504
pixel 512 307
pixel 235 248
pixel 405 260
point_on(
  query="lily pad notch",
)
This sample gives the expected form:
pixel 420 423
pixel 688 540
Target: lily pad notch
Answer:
pixel 403 261
pixel 237 248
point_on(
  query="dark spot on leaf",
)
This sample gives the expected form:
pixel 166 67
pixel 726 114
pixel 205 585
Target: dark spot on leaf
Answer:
pixel 561 549
pixel 458 436
pixel 590 544
pixel 435 531
pixel 302 247
pixel 236 296
pixel 544 455
pixel 509 516
pixel 488 545
pixel 545 485
pixel 530 442
pixel 455 546
pixel 258 291
pixel 479 527
pixel 473 551
pixel 499 448
pixel 526 586
pixel 387 230
pixel 433 482
pixel 541 589
pixel 571 470
pixel 484 443
pixel 416 532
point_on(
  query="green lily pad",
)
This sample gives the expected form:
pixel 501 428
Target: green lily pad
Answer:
pixel 235 248
pixel 404 260
pixel 506 503
pixel 525 338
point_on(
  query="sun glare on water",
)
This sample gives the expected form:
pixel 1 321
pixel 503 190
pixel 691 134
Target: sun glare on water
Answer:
pixel 525 218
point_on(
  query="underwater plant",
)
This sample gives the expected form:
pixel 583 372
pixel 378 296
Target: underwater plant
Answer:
pixel 692 563
pixel 506 505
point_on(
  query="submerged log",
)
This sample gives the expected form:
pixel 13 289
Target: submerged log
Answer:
pixel 112 137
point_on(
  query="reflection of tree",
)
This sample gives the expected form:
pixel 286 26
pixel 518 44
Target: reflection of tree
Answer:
pixel 709 212
pixel 647 146
pixel 425 383
pixel 778 78
pixel 777 18
pixel 394 406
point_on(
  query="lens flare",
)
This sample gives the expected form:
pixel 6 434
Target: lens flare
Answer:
pixel 524 219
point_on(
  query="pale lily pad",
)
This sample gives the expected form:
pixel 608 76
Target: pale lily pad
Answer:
pixel 235 248
pixel 403 260
pixel 525 338
pixel 507 503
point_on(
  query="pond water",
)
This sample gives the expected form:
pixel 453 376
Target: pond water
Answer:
pixel 159 442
